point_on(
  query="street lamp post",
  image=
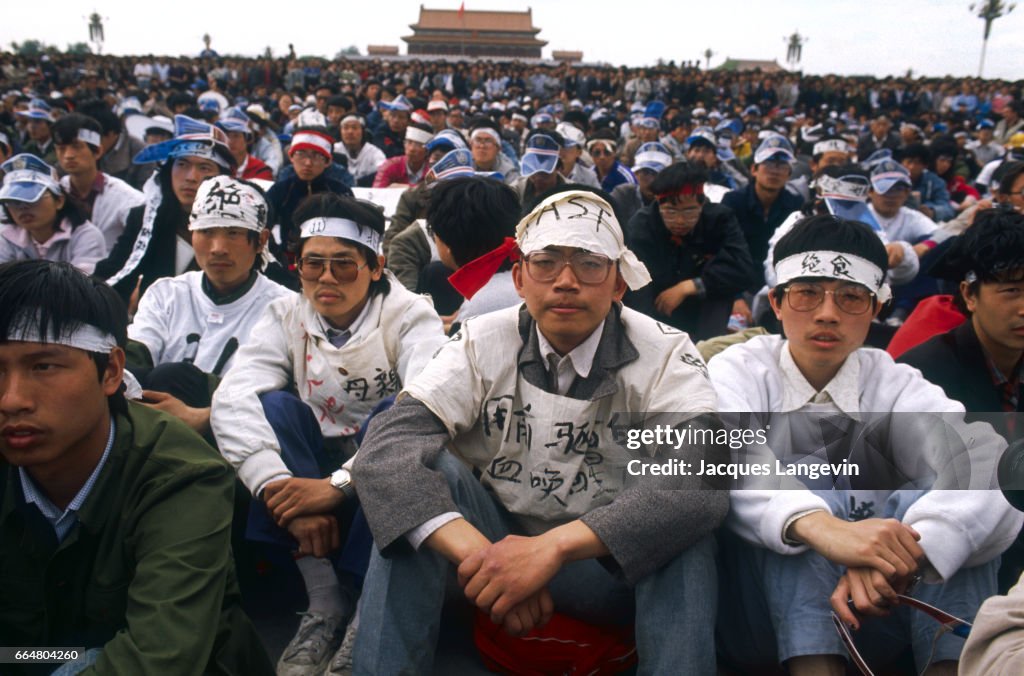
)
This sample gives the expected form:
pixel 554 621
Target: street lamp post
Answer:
pixel 990 11
pixel 707 56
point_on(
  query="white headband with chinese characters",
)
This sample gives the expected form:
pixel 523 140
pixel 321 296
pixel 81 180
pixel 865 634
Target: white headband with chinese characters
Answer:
pixel 834 265
pixel 342 228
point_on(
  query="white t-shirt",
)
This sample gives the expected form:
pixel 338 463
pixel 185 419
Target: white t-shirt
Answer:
pixel 175 309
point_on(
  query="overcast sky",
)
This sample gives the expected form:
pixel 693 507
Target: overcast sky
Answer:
pixel 876 37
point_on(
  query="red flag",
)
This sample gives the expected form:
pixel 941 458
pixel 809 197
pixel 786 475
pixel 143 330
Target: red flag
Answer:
pixel 462 10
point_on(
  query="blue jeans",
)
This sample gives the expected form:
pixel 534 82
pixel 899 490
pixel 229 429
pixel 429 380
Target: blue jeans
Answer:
pixel 302 449
pixel 673 608
pixel 777 606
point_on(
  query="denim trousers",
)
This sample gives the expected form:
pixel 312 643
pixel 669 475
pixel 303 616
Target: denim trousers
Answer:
pixel 776 606
pixel 673 609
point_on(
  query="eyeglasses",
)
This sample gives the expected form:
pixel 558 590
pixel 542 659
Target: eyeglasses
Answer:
pixel 852 299
pixel 673 214
pixel 591 269
pixel 598 151
pixel 949 623
pixel 344 270
pixel 308 156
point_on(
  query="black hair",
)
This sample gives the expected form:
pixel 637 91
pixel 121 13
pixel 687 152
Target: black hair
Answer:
pixel 339 101
pixel 71 211
pixel 481 121
pixel 825 232
pixel 62 298
pixel 65 130
pixel 472 215
pixel 101 112
pixel 605 134
pixel 675 176
pixel 1008 172
pixel 992 248
pixel 333 205
pixel 576 117
pixel 550 133
pixel 917 151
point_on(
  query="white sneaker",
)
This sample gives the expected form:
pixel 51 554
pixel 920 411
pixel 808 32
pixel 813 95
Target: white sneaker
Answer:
pixel 309 652
pixel 341 663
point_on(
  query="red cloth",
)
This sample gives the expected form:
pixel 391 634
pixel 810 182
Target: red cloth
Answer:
pixel 256 168
pixel 932 316
pixel 472 276
pixel 563 646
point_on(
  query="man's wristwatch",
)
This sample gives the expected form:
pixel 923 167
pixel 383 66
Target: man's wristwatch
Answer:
pixel 342 480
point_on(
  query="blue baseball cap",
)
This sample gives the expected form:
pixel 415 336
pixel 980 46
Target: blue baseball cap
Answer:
pixel 26 178
pixel 541 155
pixel 38 109
pixel 887 174
pixel 191 138
pixel 652 156
pixel 776 148
pixel 458 162
pixel 400 103
pixel 235 119
pixel 703 135
pixel 446 138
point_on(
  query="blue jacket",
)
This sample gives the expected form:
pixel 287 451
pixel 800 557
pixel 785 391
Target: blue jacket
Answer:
pixel 935 196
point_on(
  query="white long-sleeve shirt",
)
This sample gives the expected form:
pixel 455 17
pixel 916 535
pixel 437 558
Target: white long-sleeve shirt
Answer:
pixel 289 346
pixel 959 528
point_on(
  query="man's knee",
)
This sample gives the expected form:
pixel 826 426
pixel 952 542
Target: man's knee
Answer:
pixel 182 381
pixel 284 408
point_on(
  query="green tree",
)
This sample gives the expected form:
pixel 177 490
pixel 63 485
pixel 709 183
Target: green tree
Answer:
pixel 79 49
pixel 29 48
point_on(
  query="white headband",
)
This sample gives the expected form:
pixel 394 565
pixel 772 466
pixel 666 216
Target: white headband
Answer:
pixel 833 145
pixel 841 188
pixel 581 220
pixel 343 228
pixel 25 328
pixel 608 144
pixel 486 131
pixel 89 136
pixel 418 135
pixel 834 265
pixel 353 118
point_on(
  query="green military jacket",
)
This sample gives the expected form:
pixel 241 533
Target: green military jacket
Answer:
pixel 146 573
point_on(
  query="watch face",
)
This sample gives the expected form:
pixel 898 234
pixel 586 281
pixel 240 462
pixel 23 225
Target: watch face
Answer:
pixel 341 478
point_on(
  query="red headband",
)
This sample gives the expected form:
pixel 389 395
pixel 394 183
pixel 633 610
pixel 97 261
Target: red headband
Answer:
pixel 688 189
pixel 472 276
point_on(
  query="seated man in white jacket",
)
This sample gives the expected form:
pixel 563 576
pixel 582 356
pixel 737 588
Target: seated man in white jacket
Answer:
pixel 188 328
pixel 104 199
pixel 316 367
pixel 798 548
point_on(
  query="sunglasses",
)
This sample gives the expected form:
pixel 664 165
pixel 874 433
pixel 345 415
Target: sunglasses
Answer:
pixel 949 623
pixel 344 270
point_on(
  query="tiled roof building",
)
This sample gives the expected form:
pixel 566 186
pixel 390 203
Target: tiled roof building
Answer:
pixel 474 34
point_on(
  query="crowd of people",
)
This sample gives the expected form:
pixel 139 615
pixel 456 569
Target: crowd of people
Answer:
pixel 411 310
